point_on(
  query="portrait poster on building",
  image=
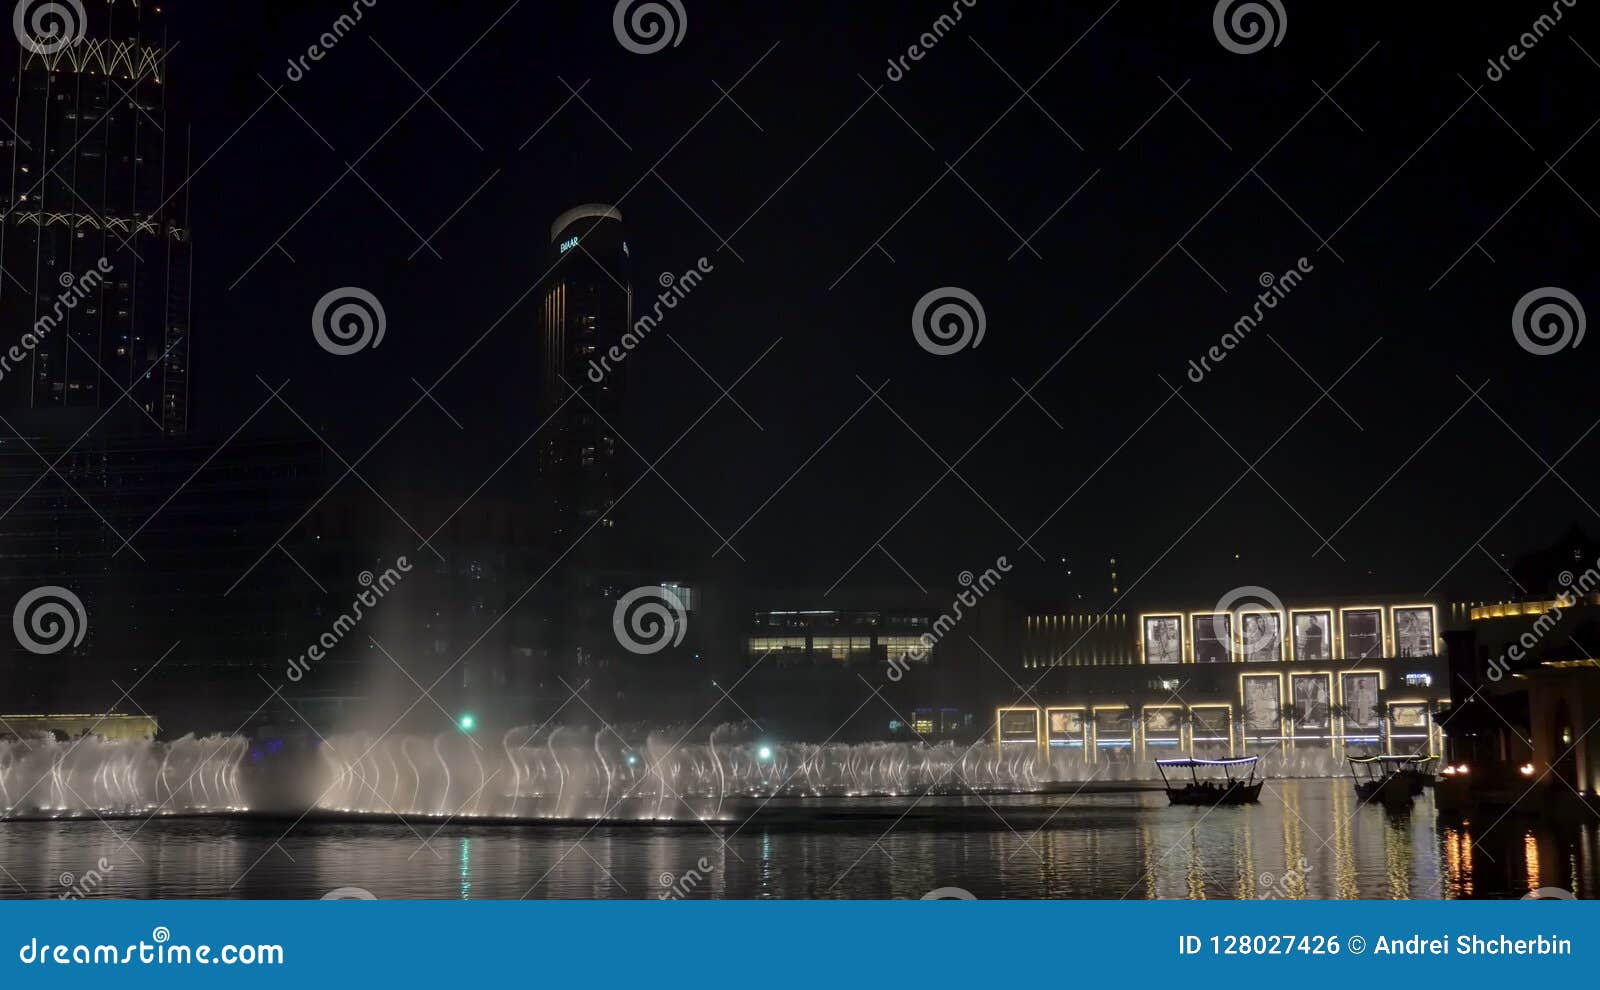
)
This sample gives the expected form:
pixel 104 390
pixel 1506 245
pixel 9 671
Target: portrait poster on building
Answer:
pixel 1261 636
pixel 1413 632
pixel 1311 702
pixel 1261 704
pixel 1163 639
pixel 1313 635
pixel 1360 702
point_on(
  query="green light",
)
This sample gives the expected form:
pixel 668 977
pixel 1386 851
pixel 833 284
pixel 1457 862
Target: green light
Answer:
pixel 764 753
pixel 467 722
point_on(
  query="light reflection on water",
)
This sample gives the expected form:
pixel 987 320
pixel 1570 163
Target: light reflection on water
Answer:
pixel 1306 839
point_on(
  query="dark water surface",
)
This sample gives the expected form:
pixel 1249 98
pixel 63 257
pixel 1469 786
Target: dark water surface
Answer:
pixel 1307 838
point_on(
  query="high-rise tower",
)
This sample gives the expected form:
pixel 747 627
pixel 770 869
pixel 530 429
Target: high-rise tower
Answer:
pixel 95 237
pixel 588 310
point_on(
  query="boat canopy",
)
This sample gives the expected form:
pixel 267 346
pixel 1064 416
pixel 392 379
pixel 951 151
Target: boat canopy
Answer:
pixel 1414 758
pixel 1189 764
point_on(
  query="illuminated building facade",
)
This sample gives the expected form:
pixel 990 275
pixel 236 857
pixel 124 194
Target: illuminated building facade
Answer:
pixel 97 201
pixel 1312 682
pixel 1525 677
pixel 587 311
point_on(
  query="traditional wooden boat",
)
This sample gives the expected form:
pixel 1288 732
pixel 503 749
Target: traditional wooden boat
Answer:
pixel 1394 780
pixel 1237 785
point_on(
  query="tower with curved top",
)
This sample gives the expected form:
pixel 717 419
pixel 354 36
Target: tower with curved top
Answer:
pixel 585 339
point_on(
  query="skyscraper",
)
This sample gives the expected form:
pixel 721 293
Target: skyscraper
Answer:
pixel 97 201
pixel 588 310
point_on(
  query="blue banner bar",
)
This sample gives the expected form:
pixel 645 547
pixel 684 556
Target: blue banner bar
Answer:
pixel 791 944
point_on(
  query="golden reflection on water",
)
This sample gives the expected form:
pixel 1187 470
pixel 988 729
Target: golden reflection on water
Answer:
pixel 1530 857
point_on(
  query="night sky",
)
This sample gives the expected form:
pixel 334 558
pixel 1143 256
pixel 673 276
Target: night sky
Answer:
pixel 1177 206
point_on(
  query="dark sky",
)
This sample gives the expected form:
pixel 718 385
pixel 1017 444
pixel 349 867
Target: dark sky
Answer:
pixel 1187 202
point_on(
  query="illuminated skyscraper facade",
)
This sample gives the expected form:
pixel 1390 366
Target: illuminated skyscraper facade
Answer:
pixel 97 186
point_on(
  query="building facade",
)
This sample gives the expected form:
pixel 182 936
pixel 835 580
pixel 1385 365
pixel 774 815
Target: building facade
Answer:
pixel 95 240
pixel 587 312
pixel 1303 685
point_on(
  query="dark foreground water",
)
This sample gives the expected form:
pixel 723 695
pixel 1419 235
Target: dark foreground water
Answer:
pixel 1305 839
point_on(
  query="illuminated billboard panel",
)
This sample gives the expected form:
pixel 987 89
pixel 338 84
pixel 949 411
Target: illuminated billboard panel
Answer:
pixel 1359 692
pixel 1261 636
pixel 1065 726
pixel 1313 634
pixel 1263 701
pixel 1163 639
pixel 1311 702
pixel 1363 633
pixel 1019 725
pixel 1212 636
pixel 1162 725
pixel 1413 631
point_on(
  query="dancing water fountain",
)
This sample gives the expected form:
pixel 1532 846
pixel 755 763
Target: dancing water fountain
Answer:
pixel 544 773
pixel 43 777
pixel 570 773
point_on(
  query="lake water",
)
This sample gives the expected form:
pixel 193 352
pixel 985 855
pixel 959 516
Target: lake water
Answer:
pixel 1307 838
